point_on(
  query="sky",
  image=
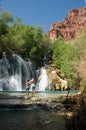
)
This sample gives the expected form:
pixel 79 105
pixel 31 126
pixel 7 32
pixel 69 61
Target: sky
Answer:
pixel 41 12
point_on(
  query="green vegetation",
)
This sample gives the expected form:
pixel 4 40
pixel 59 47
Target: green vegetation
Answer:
pixel 66 57
pixel 70 58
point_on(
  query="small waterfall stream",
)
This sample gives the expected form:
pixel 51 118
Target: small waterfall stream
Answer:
pixel 42 83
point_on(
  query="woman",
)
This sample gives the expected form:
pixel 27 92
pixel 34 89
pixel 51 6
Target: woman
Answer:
pixel 33 86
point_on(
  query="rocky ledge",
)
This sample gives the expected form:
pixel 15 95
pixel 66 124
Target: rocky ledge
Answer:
pixel 20 101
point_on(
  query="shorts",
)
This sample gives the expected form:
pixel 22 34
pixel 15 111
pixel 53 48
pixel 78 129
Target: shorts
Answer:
pixel 27 87
pixel 33 87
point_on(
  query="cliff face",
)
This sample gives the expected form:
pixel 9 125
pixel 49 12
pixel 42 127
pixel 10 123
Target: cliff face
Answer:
pixel 70 26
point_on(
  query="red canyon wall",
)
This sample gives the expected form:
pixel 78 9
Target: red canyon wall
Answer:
pixel 70 26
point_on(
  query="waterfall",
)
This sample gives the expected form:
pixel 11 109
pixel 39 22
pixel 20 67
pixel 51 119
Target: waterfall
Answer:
pixel 15 72
pixel 42 83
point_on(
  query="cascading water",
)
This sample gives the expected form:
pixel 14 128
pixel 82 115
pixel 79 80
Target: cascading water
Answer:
pixel 15 72
pixel 42 83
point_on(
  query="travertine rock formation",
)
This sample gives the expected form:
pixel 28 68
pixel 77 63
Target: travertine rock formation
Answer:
pixel 70 26
pixel 55 81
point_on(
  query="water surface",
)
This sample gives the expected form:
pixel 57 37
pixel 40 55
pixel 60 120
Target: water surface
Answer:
pixel 32 119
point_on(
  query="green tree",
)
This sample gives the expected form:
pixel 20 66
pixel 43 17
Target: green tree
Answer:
pixel 5 19
pixel 66 57
pixel 6 16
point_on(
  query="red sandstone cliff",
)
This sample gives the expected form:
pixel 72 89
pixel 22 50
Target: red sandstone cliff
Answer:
pixel 70 26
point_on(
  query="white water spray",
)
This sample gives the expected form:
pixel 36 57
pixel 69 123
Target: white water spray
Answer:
pixel 42 83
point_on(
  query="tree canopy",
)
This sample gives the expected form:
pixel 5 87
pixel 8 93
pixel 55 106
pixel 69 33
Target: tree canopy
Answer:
pixel 28 41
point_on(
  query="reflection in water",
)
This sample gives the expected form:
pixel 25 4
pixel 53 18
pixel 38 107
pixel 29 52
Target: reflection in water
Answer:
pixel 36 119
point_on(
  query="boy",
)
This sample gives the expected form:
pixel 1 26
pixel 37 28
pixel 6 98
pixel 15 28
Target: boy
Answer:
pixel 27 84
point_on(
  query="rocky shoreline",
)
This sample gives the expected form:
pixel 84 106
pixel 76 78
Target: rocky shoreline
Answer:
pixel 47 101
pixel 19 100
